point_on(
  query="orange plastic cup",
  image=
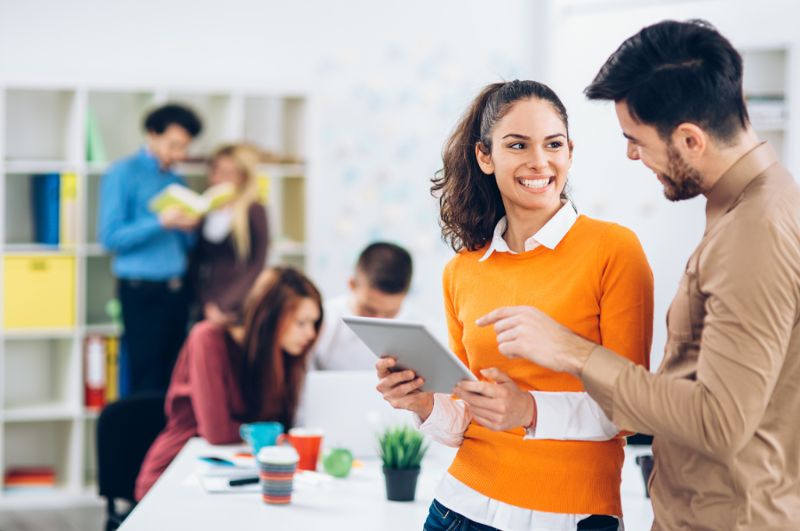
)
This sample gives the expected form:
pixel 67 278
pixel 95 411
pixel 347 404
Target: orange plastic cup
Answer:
pixel 307 442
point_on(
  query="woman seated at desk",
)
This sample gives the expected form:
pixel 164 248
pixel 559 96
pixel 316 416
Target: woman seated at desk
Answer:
pixel 227 375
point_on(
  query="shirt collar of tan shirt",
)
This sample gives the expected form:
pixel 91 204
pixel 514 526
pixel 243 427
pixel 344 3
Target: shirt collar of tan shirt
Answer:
pixel 730 186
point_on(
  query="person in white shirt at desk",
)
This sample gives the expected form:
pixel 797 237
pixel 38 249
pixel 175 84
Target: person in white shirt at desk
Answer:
pixel 377 289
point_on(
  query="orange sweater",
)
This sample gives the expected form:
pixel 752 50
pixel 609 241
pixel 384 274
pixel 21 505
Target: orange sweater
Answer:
pixel 596 282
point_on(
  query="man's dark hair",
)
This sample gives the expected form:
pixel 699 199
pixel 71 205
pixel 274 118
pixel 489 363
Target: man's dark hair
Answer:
pixel 386 267
pixel 676 72
pixel 159 119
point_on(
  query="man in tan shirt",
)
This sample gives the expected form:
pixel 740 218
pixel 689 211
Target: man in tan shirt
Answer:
pixel 725 404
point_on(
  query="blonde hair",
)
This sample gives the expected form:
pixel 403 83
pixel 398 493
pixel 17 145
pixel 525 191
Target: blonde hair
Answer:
pixel 246 159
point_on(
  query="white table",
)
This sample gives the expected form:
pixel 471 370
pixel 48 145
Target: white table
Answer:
pixel 177 501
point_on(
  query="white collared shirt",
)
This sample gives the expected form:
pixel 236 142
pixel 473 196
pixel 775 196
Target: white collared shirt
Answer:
pixel 559 416
pixel 550 235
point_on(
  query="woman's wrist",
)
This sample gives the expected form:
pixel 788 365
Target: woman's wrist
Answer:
pixel 533 413
pixel 425 407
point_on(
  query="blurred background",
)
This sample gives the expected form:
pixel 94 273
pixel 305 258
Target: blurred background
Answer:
pixel 352 102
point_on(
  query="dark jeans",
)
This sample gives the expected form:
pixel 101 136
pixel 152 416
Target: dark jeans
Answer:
pixel 155 315
pixel 440 518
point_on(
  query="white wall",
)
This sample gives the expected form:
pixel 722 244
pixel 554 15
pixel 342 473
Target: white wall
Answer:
pixel 389 81
pixel 607 184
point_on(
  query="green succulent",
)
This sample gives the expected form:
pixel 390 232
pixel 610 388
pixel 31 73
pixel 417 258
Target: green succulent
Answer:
pixel 401 447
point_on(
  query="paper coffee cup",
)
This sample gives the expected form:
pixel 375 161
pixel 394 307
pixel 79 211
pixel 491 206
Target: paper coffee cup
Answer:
pixel 276 466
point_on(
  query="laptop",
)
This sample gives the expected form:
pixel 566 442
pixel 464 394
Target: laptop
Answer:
pixel 346 405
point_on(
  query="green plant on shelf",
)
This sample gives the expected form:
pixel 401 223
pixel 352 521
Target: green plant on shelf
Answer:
pixel 401 447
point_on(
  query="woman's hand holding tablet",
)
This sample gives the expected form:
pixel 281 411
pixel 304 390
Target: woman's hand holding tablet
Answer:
pixel 401 389
pixel 499 406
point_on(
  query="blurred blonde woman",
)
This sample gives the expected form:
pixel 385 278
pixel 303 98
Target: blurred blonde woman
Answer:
pixel 232 248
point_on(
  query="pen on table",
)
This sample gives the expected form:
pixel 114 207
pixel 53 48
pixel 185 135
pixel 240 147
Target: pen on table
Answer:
pixel 242 481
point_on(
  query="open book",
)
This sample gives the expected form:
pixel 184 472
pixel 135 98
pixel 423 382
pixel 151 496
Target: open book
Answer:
pixel 191 201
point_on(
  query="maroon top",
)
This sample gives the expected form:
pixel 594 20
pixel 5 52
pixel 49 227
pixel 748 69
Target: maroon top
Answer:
pixel 203 398
pixel 216 273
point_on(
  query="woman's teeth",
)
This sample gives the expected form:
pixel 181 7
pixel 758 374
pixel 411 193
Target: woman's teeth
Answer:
pixel 538 183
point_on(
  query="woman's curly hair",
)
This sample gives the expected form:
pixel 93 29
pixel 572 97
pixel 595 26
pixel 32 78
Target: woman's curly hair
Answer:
pixel 470 204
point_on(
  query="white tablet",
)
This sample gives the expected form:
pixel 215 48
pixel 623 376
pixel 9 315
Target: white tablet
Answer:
pixel 414 348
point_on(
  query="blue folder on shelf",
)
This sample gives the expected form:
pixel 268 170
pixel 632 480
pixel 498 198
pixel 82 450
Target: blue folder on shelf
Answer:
pixel 46 204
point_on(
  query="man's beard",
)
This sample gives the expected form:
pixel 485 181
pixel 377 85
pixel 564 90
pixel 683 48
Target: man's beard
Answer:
pixel 681 181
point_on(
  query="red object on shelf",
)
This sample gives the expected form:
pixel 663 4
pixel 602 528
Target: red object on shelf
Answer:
pixel 30 477
pixel 95 372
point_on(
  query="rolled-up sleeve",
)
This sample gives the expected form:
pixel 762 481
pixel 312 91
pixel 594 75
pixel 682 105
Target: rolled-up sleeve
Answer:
pixel 447 422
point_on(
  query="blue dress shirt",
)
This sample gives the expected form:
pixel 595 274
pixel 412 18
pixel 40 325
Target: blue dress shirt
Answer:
pixel 142 248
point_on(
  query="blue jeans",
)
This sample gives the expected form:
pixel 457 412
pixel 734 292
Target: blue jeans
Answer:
pixel 440 518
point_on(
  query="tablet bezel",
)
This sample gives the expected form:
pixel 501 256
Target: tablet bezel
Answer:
pixel 421 365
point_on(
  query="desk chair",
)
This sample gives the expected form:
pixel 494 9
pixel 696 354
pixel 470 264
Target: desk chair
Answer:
pixel 125 431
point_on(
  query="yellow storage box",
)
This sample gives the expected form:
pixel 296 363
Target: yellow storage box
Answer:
pixel 38 291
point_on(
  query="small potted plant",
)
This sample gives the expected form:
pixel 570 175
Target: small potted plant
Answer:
pixel 402 451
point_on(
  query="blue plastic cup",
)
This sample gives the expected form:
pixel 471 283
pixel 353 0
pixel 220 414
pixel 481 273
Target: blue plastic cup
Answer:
pixel 260 434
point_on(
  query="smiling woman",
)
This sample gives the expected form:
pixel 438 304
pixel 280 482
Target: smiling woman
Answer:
pixel 521 244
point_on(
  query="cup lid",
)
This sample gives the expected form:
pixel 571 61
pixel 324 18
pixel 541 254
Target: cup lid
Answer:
pixel 279 455
pixel 306 432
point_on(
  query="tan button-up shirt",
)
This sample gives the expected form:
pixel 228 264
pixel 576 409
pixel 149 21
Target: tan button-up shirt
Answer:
pixel 725 404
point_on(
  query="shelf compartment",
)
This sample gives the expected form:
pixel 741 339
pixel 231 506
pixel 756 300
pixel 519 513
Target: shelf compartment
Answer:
pixel 40 125
pixel 768 115
pixel 276 125
pixel 100 288
pixel 90 453
pixel 38 378
pixel 39 444
pixel 58 200
pixel 92 202
pixel 764 73
pixel 104 329
pixel 119 117
pixel 38 291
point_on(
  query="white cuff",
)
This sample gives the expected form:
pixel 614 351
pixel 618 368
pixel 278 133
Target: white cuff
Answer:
pixel 570 417
pixel 447 422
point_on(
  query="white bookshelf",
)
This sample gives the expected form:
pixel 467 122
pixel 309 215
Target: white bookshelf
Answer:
pixel 42 418
pixel 767 93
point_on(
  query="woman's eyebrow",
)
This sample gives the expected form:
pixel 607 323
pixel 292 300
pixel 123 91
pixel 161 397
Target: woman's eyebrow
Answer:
pixel 523 137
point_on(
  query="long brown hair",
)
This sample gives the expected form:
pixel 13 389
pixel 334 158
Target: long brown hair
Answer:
pixel 470 204
pixel 269 378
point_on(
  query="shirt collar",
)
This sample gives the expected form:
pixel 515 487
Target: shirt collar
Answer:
pixel 733 182
pixel 150 159
pixel 549 236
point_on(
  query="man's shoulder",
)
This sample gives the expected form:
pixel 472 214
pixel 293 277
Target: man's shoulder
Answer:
pixel 771 200
pixel 125 168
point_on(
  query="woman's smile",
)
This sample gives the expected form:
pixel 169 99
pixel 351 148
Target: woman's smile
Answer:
pixel 536 185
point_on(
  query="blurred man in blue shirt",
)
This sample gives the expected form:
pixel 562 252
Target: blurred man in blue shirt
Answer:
pixel 150 251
